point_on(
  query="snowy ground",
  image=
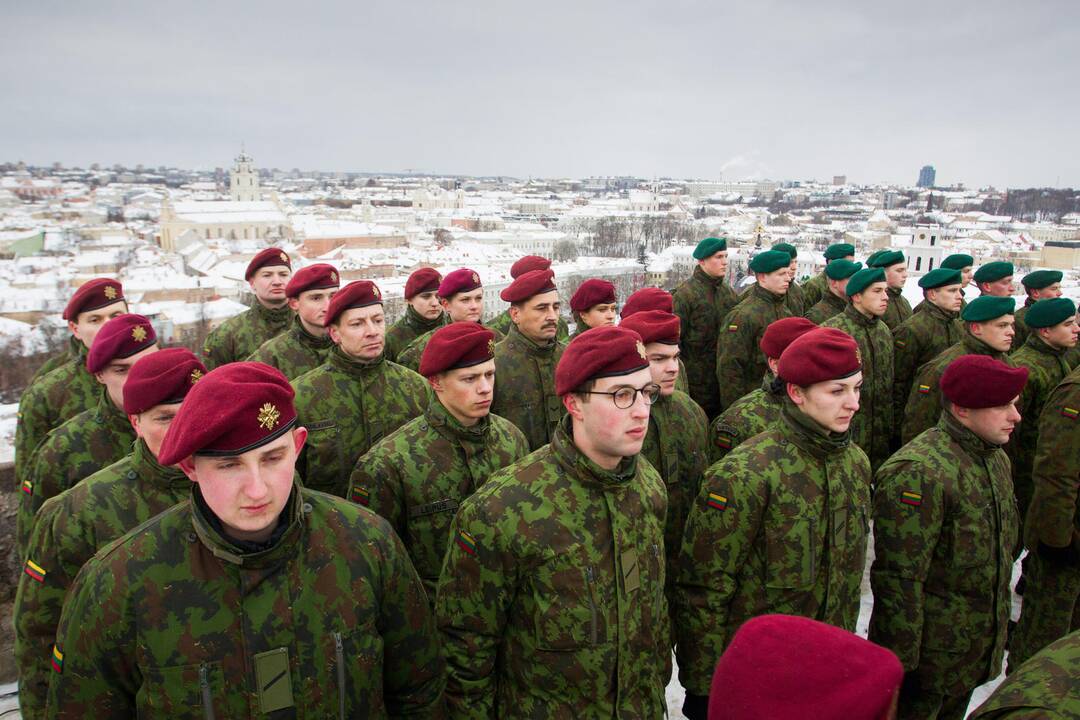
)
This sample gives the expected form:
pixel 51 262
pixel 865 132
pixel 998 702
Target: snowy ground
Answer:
pixel 7 432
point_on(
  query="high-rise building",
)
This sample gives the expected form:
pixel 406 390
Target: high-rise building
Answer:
pixel 927 176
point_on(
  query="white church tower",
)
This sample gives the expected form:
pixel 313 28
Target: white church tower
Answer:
pixel 244 180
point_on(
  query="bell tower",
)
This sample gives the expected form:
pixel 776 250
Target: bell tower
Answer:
pixel 243 179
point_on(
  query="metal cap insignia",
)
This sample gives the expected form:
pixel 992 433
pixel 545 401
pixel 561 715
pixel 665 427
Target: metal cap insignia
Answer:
pixel 269 416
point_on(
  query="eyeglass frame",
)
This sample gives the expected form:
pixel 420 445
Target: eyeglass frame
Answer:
pixel 637 391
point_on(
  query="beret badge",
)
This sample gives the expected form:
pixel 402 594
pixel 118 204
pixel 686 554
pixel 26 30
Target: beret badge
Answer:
pixel 269 416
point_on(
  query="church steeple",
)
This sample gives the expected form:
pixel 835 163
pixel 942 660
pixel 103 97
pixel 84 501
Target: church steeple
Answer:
pixel 244 179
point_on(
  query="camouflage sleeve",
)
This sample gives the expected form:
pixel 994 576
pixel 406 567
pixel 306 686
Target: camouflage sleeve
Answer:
pixel 684 309
pixel 908 517
pixel 734 348
pixel 724 520
pixel 906 351
pixel 215 351
pixel 699 442
pixel 410 355
pixel 1052 517
pixel 37 489
pixel 31 428
pixel 723 437
pixel 376 484
pixel 476 587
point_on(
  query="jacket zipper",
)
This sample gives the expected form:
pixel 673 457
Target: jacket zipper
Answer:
pixel 339 651
pixel 207 700
pixel 590 574
pixel 659 584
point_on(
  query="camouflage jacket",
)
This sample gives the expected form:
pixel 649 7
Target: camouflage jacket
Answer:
pixel 751 414
pixel 924 304
pixel 347 406
pixel 1020 326
pixel 740 364
pixel 326 619
pixel 1046 368
pixel 1043 688
pixel 828 306
pixel 795 300
pixel 815 289
pixel 945 527
pixel 502 323
pixel 1054 514
pixel 411 354
pixel 898 311
pixel 525 386
pixel 294 352
pixel 551 600
pixel 419 475
pixel 86 443
pixel 70 528
pixel 780 526
pixel 702 303
pixel 74 350
pixel 872 426
pixel 408 327
pixel 917 341
pixel 241 335
pixel 923 406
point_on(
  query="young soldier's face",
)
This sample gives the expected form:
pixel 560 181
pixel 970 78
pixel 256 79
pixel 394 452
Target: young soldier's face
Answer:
pixel 599 315
pixel 831 404
pixel 715 265
pixel 947 297
pixel 776 282
pixel 839 288
pixel 663 365
pixel 115 374
pixel 311 307
pixel 151 425
pixel 997 333
pixel 465 306
pixel 466 392
pixel 998 288
pixel 874 300
pixel 361 332
pixel 538 317
pixel 88 323
pixel 608 433
pixel 966 275
pixel 896 275
pixel 1046 293
pixel 1061 336
pixel 993 424
pixel 268 284
pixel 248 492
pixel 426 304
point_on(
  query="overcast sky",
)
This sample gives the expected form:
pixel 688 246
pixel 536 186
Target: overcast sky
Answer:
pixel 985 91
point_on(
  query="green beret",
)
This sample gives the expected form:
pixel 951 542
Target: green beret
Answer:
pixel 886 258
pixel 841 269
pixel 839 250
pixel 1047 313
pixel 863 279
pixel 988 307
pixel 939 278
pixel 1041 278
pixel 788 248
pixel 959 261
pixel 994 271
pixel 709 247
pixel 872 257
pixel 770 261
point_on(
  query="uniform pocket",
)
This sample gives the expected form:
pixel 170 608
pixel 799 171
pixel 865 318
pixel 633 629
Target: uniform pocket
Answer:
pixel 355 660
pixel 971 538
pixel 566 614
pixel 182 691
pixel 323 455
pixel 790 553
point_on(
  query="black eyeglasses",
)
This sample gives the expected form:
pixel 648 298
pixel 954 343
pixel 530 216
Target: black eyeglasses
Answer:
pixel 624 397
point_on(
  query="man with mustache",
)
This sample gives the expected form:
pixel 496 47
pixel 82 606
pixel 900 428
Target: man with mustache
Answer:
pixel 502 323
pixel 306 344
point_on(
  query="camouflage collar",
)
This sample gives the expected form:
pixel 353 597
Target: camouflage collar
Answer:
pixel 577 465
pixel 805 433
pixel 106 412
pixel 940 312
pixel 352 366
pixel 76 349
pixel 768 295
pixel 148 468
pixel 969 441
pixel 518 338
pixel 858 317
pixel 447 425
pixel 975 346
pixel 420 323
pixel 307 339
pixel 1039 345
pixel 894 292
pixel 703 277
pixel 273 315
pixel 210 531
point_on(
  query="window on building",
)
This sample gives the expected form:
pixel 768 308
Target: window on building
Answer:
pixel 930 266
pixel 918 264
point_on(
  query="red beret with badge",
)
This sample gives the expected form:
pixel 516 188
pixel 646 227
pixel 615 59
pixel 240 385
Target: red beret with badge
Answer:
pixel 319 276
pixel 121 337
pixel 980 381
pixel 161 378
pixel 267 258
pixel 233 409
pixel 457 281
pixel 531 283
pixel 654 326
pixel 458 345
pixel 820 355
pixel 607 351
pixel 528 264
pixel 358 293
pixel 781 333
pixel 650 298
pixel 423 280
pixel 93 295
pixel 593 291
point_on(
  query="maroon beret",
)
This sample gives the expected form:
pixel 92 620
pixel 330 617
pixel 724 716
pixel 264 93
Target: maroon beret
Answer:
pixel 267 258
pixel 92 295
pixel 313 277
pixel 650 298
pixel 782 667
pixel 528 264
pixel 605 351
pixel 593 291
pixel 161 378
pixel 460 280
pixel 531 283
pixel 121 337
pixel 819 355
pixel 780 333
pixel 358 293
pixel 980 381
pixel 654 326
pixel 457 345
pixel 233 409
pixel 423 280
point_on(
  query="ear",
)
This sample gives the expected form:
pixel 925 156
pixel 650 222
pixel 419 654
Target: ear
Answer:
pixel 795 393
pixel 435 382
pixel 299 438
pixel 100 377
pixel 73 327
pixel 134 420
pixel 445 303
pixel 515 314
pixel 572 403
pixel 335 336
pixel 961 412
pixel 188 466
pixel 774 365
pixel 294 304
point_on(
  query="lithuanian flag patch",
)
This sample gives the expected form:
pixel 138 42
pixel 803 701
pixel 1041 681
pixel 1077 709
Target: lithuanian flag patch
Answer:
pixel 901 343
pixel 28 487
pixel 57 659
pixel 361 496
pixel 924 389
pixel 1070 413
pixel 35 571
pixel 913 499
pixel 732 328
pixel 716 501
pixel 466 542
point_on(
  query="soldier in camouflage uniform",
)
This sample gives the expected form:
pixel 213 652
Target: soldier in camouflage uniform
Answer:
pixel 238 337
pixel 988 330
pixel 833 302
pixel 739 364
pixel 1043 688
pixel 995 279
pixel 757 411
pixel 502 323
pixel 945 526
pixel 357 397
pixel 68 389
pixel 894 264
pixel 256 596
pixel 654 298
pixel 525 361
pixel 96 437
pixel 780 524
pixel 423 312
pixel 702 303
pixel 1039 285
pixel 817 287
pixel 306 344
pixel 925 335
pixel 72 526
pixel 551 600
pixel 593 304
pixel 419 475
pixel 956 261
pixel 795 299
pixel 862 319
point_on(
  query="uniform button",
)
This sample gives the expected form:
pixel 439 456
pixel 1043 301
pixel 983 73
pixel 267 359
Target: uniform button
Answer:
pixel 307 507
pixel 131 475
pixel 191 537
